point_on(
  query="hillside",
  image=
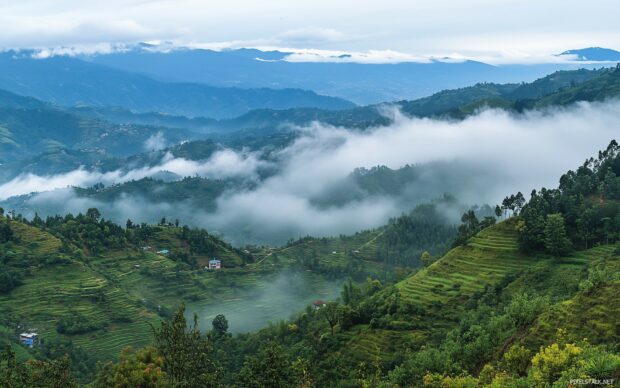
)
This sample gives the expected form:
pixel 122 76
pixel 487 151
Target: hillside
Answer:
pixel 87 286
pixel 510 300
pixel 45 137
pixel 30 127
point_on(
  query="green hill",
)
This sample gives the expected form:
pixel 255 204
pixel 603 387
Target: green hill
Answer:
pixel 87 286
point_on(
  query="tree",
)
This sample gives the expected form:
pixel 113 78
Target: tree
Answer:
pixel 52 374
pixel 6 233
pixel 498 211
pixel 134 369
pixel 426 258
pixel 220 325
pixel 350 294
pixel 93 214
pixel 524 309
pixel 550 362
pixel 330 312
pixel 270 368
pixel 517 359
pixel 185 353
pixel 508 203
pixel 519 201
pixel 470 226
pixel 129 224
pixel 556 242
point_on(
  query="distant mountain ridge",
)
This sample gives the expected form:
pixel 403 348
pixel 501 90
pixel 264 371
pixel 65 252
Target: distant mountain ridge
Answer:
pixel 362 83
pixel 73 82
pixel 19 127
pixel 594 54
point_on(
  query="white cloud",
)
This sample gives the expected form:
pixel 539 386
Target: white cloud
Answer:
pixel 312 35
pixel 493 153
pixel 429 27
pixel 222 164
pixel 155 142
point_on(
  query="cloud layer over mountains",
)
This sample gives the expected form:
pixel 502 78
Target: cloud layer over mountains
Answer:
pixel 493 153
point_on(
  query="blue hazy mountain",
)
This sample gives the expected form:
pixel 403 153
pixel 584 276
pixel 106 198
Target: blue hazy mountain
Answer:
pixel 594 54
pixel 71 81
pixel 360 83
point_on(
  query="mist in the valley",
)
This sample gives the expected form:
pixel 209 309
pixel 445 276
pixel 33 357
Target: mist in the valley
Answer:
pixel 222 164
pixel 273 300
pixel 479 160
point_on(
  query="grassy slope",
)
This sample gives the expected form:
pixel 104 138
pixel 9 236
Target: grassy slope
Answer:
pixel 345 247
pixel 51 291
pixel 443 289
pixel 124 289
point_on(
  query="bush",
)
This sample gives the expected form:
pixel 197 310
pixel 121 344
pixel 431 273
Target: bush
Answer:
pixel 75 323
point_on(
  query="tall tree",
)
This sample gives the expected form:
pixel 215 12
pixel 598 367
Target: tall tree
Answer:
pixel 186 353
pixel 269 369
pixel 220 325
pixel 556 242
pixel 330 312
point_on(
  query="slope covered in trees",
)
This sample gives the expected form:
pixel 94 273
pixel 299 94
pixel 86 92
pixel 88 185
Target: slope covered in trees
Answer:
pixel 90 287
pixel 491 312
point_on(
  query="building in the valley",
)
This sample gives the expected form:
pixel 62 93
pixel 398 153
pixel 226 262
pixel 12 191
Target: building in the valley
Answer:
pixel 163 252
pixel 28 339
pixel 215 264
pixel 318 304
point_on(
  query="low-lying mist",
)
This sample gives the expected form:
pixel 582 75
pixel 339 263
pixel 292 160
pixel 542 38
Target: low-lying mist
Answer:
pixel 483 158
pixel 274 300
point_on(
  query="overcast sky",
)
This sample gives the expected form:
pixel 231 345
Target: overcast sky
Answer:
pixel 420 27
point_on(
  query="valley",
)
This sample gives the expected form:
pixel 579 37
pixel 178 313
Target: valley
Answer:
pixel 425 196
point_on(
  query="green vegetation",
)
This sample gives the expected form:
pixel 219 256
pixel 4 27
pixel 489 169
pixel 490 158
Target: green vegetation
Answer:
pixel 90 288
pixel 527 301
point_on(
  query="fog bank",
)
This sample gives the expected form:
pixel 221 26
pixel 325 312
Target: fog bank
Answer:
pixel 490 154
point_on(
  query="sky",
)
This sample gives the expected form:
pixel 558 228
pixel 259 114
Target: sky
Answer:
pixel 509 28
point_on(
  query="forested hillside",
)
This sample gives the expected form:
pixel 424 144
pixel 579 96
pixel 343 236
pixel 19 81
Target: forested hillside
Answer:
pixel 90 287
pixel 527 301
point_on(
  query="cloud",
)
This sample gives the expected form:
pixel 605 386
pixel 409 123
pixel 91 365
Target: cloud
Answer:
pixel 311 35
pixel 155 142
pixel 425 26
pixel 222 164
pixel 480 160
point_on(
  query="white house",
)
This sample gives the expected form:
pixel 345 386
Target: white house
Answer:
pixel 215 264
pixel 28 339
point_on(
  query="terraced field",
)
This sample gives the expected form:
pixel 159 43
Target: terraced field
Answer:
pixel 121 292
pixel 337 252
pixel 73 288
pixel 485 260
pixel 37 242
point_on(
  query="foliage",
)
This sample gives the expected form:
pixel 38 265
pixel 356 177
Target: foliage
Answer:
pixel 76 323
pixel 584 209
pixel 220 325
pixel 270 368
pixel 53 374
pixel 185 353
pixel 556 242
pixel 142 368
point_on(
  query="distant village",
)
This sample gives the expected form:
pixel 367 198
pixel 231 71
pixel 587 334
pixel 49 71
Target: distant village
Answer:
pixel 214 263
